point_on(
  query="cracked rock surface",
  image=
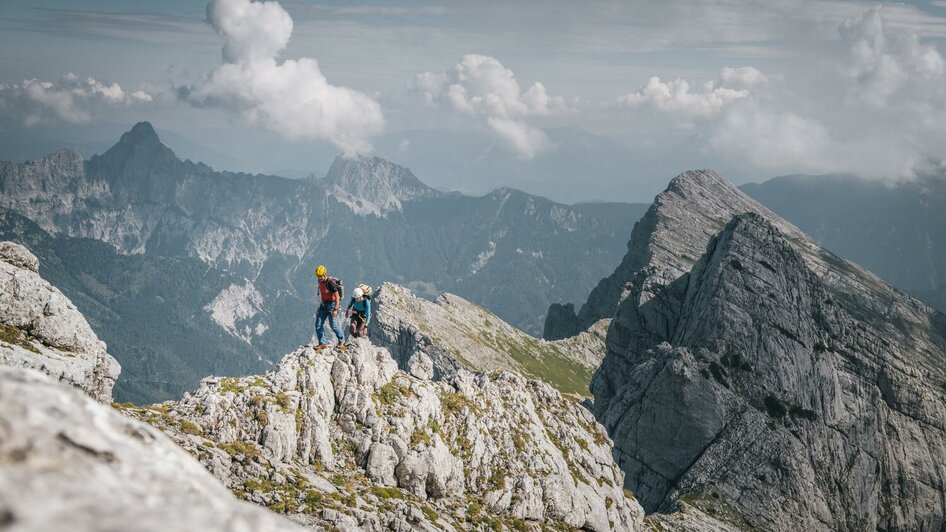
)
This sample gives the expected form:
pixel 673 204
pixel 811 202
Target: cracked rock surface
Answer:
pixel 347 439
pixel 759 378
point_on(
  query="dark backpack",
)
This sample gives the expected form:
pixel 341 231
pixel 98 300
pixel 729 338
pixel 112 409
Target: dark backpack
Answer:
pixel 341 288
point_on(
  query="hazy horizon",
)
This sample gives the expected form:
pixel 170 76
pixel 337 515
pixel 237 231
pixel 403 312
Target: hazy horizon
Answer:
pixel 577 102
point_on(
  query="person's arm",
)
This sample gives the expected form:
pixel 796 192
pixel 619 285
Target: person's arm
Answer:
pixel 367 311
pixel 338 301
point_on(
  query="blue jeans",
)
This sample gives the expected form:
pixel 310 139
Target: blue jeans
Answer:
pixel 325 311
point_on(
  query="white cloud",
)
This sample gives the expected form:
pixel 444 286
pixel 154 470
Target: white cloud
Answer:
pixel 683 98
pixel 881 64
pixel 71 100
pixel 480 86
pixel 875 107
pixel 745 77
pixel 291 97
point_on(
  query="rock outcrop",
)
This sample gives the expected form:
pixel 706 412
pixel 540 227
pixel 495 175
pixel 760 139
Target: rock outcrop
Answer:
pixel 70 463
pixel 346 439
pixel 432 339
pixel 41 329
pixel 757 377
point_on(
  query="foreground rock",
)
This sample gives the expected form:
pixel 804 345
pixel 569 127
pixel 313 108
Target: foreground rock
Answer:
pixel 41 329
pixel 432 339
pixel 70 463
pixel 778 386
pixel 346 439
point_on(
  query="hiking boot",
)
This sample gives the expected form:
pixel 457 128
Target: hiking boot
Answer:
pixel 321 347
pixel 342 346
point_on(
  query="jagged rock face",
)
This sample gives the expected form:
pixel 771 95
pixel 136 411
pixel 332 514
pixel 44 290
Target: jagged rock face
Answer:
pixel 433 339
pixel 41 329
pixel 371 185
pixel 670 237
pixel 769 380
pixel 346 439
pixel 893 230
pixel 70 463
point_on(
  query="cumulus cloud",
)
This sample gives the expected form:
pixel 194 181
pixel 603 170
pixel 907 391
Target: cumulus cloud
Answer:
pixel 72 100
pixel 482 87
pixel 690 100
pixel 291 97
pixel 876 109
pixel 881 65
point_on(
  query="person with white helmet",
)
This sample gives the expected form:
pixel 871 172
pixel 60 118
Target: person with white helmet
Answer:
pixel 359 309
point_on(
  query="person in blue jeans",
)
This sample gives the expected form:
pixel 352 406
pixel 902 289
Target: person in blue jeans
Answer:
pixel 359 309
pixel 330 294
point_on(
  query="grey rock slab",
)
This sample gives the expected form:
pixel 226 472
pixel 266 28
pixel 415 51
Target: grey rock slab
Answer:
pixel 751 371
pixel 70 463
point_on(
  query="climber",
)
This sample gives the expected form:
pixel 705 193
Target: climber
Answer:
pixel 330 293
pixel 359 310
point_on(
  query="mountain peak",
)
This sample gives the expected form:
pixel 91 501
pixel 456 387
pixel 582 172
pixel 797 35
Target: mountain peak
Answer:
pixel 141 133
pixel 372 185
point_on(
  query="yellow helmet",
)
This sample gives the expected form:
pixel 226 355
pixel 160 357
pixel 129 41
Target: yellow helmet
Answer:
pixel 320 270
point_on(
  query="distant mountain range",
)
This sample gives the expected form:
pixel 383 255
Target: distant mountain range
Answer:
pixel 141 239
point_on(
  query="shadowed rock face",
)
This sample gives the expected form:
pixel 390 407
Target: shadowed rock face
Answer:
pixel 769 380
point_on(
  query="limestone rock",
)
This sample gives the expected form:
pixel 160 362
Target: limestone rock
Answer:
pixel 70 463
pixel 17 255
pixel 41 329
pixel 433 339
pixel 776 384
pixel 449 454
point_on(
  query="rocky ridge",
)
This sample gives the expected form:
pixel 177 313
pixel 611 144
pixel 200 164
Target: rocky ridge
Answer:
pixel 670 237
pixel 779 386
pixel 371 185
pixel 346 439
pixel 41 329
pixel 433 339
pixel 332 439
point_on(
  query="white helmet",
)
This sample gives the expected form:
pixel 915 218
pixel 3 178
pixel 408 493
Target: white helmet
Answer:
pixel 358 293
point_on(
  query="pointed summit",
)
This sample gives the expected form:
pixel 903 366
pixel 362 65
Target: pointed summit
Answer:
pixel 141 133
pixel 671 236
pixel 139 165
pixel 372 185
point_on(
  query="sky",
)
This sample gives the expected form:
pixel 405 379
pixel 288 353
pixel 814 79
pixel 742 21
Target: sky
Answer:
pixel 575 100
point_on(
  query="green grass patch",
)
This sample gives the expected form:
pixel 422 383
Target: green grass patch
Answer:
pixel 383 493
pixel 237 448
pixel 188 427
pixel 14 336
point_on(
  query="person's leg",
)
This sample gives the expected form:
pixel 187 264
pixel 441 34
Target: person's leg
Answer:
pixel 336 324
pixel 357 321
pixel 320 325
